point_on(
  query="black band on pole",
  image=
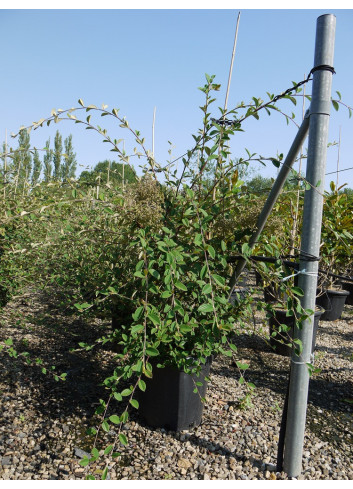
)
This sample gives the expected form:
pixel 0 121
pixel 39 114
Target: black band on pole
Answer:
pixel 323 67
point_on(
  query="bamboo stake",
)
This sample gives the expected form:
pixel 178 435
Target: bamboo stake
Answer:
pixel 5 165
pixel 227 91
pixel 153 123
pixel 123 164
pixel 231 64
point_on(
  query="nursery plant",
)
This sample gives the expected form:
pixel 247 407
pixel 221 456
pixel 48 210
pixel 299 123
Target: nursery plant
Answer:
pixel 155 252
pixel 337 234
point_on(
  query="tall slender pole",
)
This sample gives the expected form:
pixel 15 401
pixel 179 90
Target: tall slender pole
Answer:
pixel 123 164
pixel 231 63
pixel 5 165
pixel 219 163
pixel 310 241
pixel 153 123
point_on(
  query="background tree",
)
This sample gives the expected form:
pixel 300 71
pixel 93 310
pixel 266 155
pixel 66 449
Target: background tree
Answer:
pixel 259 185
pixel 58 149
pixel 22 160
pixel 68 168
pixel 47 160
pixel 37 168
pixel 115 169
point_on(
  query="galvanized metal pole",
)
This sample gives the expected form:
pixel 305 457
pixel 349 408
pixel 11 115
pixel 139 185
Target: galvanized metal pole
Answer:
pixel 274 193
pixel 310 241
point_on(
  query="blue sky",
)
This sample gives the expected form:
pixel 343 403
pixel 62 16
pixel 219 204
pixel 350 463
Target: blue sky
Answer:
pixel 139 59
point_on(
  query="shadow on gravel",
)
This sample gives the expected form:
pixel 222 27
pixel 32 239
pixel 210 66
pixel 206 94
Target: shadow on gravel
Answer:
pixel 49 335
pixel 271 371
pixel 347 336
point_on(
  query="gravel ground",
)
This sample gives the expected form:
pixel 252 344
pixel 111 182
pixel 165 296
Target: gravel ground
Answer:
pixel 43 422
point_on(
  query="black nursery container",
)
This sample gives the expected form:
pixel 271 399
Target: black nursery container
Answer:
pixel 169 400
pixel 349 287
pixel 333 302
pixel 281 318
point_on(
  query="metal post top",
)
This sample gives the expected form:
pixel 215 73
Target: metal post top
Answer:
pixel 326 15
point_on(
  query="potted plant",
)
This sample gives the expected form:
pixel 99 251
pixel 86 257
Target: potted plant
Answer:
pixel 335 251
pixel 163 262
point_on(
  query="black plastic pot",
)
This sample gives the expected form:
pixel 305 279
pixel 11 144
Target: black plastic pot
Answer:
pixel 333 302
pixel 349 287
pixel 170 401
pixel 280 317
pixel 4 296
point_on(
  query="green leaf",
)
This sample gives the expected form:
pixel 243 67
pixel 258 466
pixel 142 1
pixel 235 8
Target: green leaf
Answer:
pixel 134 403
pixel 166 294
pixel 152 352
pixel 205 308
pixel 154 318
pixel 126 392
pixel 124 417
pixel 180 286
pixel 118 396
pixel 84 462
pixel 137 328
pixel 138 313
pixel 105 473
pixel 203 272
pixel 95 452
pixel 275 162
pixel 207 289
pixel 114 419
pixel 105 426
pixel 242 366
pixel 218 279
pixel 297 291
pixel 139 274
pixel 185 328
pixel 335 105
pixel 82 307
pixel 154 273
pixel 211 251
pixel 123 439
pixel 198 240
pixel 142 385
